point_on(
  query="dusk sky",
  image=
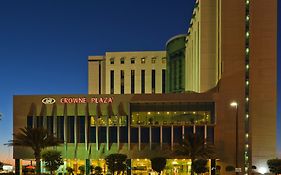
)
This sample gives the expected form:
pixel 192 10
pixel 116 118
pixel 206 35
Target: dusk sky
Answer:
pixel 44 45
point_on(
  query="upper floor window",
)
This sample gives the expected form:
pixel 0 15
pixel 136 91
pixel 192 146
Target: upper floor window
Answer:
pixel 153 60
pixel 142 60
pixel 132 60
pixel 111 60
pixel 164 60
pixel 122 60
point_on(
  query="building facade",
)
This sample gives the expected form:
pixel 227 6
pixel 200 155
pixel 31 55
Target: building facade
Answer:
pixel 92 127
pixel 227 55
pixel 127 73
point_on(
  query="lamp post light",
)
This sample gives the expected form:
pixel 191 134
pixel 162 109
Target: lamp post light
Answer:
pixel 234 104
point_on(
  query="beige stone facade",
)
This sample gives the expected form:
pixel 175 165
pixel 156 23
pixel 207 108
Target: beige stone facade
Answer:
pixel 100 67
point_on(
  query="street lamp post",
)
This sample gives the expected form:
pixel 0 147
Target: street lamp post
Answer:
pixel 234 104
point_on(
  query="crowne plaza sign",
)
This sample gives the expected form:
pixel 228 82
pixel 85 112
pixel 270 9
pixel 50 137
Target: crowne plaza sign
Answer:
pixel 78 100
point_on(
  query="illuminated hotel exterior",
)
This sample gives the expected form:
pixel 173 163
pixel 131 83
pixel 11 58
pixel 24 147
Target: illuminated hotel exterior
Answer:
pixel 153 99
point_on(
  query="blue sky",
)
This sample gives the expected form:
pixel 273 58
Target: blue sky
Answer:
pixel 44 44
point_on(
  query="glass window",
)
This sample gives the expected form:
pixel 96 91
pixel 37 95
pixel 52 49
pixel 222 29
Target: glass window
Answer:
pixel 145 135
pixel 142 81
pixel 29 121
pixel 92 134
pixel 155 135
pixel 163 80
pixel 123 134
pixel 70 121
pixel 122 81
pixel 102 134
pixel 177 118
pixel 153 60
pixel 81 125
pixel 111 60
pixel 134 135
pixel 39 121
pixel 112 134
pixel 122 60
pixel 132 81
pixel 142 60
pixel 60 128
pixel 167 133
pixel 50 122
pixel 153 81
pixel 164 60
pixel 132 60
pixel 112 82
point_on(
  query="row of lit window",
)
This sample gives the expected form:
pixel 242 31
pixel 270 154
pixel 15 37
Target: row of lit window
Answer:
pixel 142 60
pixel 247 83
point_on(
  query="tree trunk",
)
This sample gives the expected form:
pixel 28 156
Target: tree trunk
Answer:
pixel 37 159
pixel 192 172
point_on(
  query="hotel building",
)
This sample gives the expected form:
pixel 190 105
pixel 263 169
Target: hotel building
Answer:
pixel 142 103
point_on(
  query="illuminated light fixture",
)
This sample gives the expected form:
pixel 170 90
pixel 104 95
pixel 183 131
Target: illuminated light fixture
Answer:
pixel 247 135
pixel 184 112
pixel 194 112
pixel 262 170
pixel 247 98
pixel 148 113
pixel 247 50
pixel 247 18
pixel 247 34
pixel 234 104
pixel 168 112
pixel 247 82
pixel 158 112
pixel 247 66
pixel 247 115
pixel 247 2
pixel 247 146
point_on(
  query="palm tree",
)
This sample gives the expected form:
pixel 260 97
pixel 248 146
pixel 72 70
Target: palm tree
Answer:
pixel 35 138
pixel 194 147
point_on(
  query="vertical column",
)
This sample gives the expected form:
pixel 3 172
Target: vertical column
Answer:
pixel 43 115
pixel 44 121
pixel 150 137
pixel 172 137
pixel 107 133
pixel 118 134
pixel 128 162
pixel 194 129
pixel 97 133
pixel 55 126
pixel 139 137
pixel 182 132
pixel 65 128
pixel 76 129
pixel 34 121
pixel 129 132
pixel 213 166
pixel 86 129
pixel 18 166
pixel 205 134
pixel 161 136
pixel 87 167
